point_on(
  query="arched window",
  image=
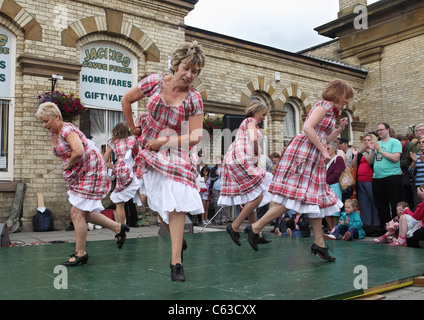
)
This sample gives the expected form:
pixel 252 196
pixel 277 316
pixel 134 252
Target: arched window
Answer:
pixel 290 124
pixel 7 100
pixel 347 132
pixel 108 72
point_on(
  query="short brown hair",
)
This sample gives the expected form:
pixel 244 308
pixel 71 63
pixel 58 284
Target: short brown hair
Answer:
pixel 336 90
pixel 191 53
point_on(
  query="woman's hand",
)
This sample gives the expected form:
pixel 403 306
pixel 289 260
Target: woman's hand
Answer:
pixel 343 123
pixel 156 144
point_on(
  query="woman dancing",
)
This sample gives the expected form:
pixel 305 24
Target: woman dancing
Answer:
pixel 243 181
pixel 299 183
pixel 167 138
pixel 86 174
pixel 123 145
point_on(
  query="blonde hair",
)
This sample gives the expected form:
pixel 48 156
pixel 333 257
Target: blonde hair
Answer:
pixel 254 107
pixel 336 90
pixel 48 109
pixel 372 136
pixel 353 203
pixel 189 52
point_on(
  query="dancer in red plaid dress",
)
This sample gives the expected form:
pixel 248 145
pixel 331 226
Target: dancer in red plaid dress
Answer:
pixel 300 180
pixel 85 172
pixel 167 137
pixel 123 145
pixel 243 181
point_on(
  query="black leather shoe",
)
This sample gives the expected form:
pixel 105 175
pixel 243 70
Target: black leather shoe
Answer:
pixel 121 236
pixel 83 260
pixel 234 235
pixel 322 252
pixel 263 240
pixel 252 237
pixel 177 273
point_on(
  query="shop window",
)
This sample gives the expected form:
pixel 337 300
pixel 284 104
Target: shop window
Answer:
pixel 7 93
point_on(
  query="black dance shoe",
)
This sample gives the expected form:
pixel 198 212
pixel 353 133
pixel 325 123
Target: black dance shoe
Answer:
pixel 83 260
pixel 177 273
pixel 252 237
pixel 263 240
pixel 322 252
pixel 122 235
pixel 234 235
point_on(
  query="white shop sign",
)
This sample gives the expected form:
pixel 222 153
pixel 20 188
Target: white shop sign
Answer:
pixel 5 63
pixel 107 73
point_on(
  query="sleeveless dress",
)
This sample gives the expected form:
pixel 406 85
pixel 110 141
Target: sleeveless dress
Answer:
pixel 169 175
pixel 87 180
pixel 242 179
pixel 127 184
pixel 300 179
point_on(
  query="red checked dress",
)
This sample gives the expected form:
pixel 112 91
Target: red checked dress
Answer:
pixel 300 179
pixel 169 175
pixel 242 180
pixel 127 184
pixel 87 181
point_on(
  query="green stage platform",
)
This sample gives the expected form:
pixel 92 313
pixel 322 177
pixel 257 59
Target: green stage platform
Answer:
pixel 216 269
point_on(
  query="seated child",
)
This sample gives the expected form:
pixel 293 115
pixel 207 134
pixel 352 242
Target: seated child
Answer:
pixel 410 221
pixel 280 224
pixel 392 226
pixel 350 223
pixel 298 226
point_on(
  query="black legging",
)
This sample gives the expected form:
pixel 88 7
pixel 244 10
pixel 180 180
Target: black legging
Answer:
pixel 416 238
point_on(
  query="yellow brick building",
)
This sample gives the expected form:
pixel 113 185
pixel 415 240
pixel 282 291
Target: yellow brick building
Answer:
pixel 101 48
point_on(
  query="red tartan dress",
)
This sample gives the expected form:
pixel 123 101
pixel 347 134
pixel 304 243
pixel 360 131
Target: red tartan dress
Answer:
pixel 300 179
pixel 169 175
pixel 126 185
pixel 242 180
pixel 88 181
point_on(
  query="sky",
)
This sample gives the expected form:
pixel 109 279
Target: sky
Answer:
pixel 283 24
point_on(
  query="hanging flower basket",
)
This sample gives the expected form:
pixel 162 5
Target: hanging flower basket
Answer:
pixel 211 123
pixel 69 104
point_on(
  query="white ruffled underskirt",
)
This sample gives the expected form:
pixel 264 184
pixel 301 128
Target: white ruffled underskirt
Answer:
pixel 166 195
pixel 227 201
pixel 130 192
pixel 313 211
pixel 85 204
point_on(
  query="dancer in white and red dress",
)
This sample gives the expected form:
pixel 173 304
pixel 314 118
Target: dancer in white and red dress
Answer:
pixel 300 180
pixel 85 172
pixel 243 181
pixel 167 137
pixel 123 145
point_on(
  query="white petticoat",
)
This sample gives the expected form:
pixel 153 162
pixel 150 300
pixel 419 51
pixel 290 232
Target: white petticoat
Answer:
pixel 165 195
pixel 130 192
pixel 85 204
pixel 227 201
pixel 313 211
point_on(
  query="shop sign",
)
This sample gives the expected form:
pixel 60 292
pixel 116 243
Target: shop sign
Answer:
pixel 107 74
pixel 5 63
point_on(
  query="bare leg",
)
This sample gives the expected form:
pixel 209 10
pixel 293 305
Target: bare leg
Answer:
pixel 247 211
pixel 273 213
pixel 176 232
pixel 80 227
pixel 316 224
pixel 120 212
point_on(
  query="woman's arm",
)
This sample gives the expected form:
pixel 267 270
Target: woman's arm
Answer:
pixel 131 96
pixel 309 128
pixel 106 157
pixel 77 148
pixel 333 135
pixel 194 136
